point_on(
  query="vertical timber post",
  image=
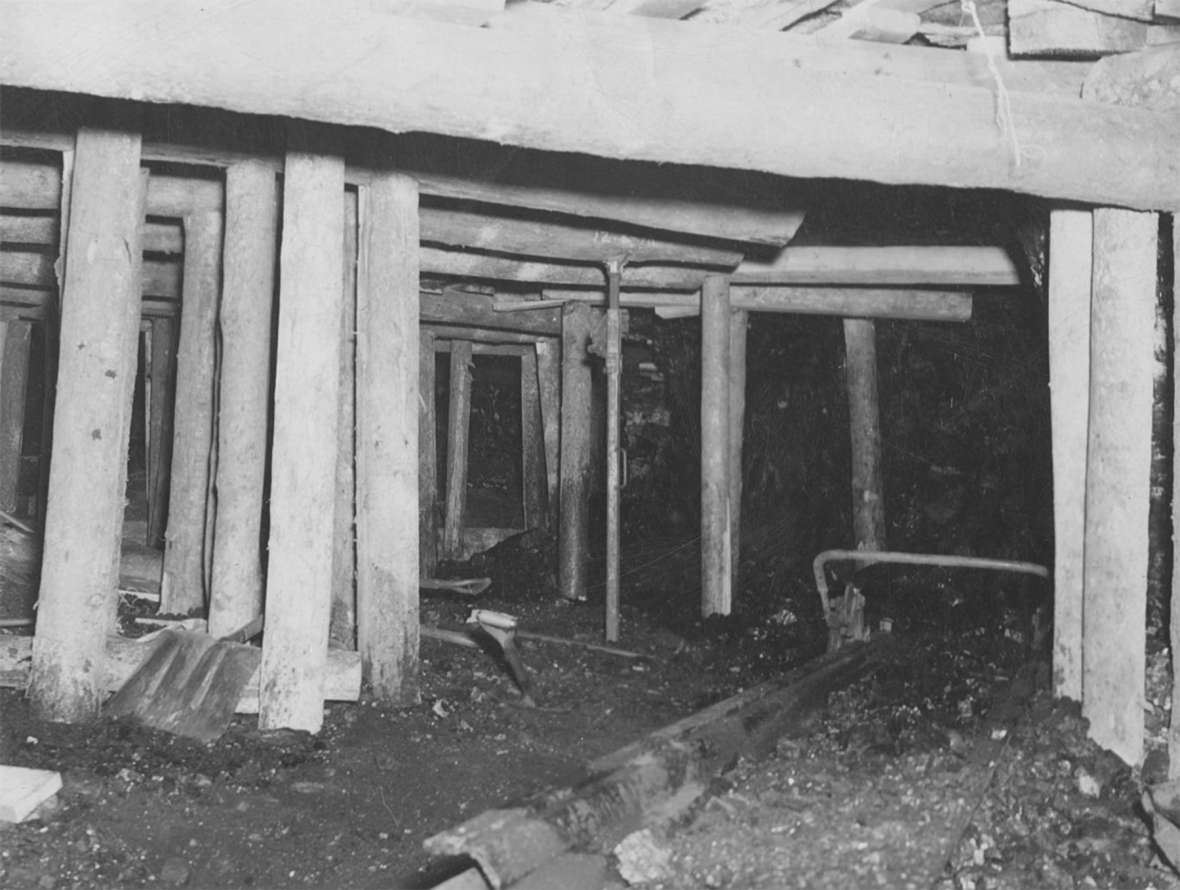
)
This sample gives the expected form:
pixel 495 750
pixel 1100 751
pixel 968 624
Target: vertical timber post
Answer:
pixel 87 486
pixel 246 323
pixel 387 438
pixel 573 531
pixel 549 388
pixel 427 457
pixel 738 327
pixel 1071 239
pixel 163 377
pixel 1117 478
pixel 614 381
pixel 532 446
pixel 716 574
pixel 1174 729
pixel 303 464
pixel 14 374
pixel 864 416
pixel 183 589
pixel 458 425
pixel 342 628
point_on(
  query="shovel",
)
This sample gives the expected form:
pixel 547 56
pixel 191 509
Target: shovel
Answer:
pixel 191 683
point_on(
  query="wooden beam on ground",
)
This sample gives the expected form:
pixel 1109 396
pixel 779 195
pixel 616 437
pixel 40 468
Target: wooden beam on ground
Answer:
pixel 532 446
pixel 1052 28
pixel 246 327
pixel 857 302
pixel 739 324
pixel 162 373
pixel 303 464
pixel 342 625
pixel 183 589
pixel 1117 479
pixel 574 483
pixel 100 331
pixel 458 426
pixel 649 98
pixel 387 439
pixel 14 377
pixel 716 521
pixel 1070 261
pixel 452 307
pixel 427 456
pixel 864 417
pixel 883 266
pixel 549 386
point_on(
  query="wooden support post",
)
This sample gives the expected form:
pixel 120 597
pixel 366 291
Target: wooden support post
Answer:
pixel 532 446
pixel 87 486
pixel 387 439
pixel 303 465
pixel 162 370
pixel 458 424
pixel 738 327
pixel 864 417
pixel 549 388
pixel 716 587
pixel 1174 729
pixel 183 589
pixel 246 326
pixel 573 532
pixel 1071 236
pixel 427 457
pixel 342 627
pixel 1117 479
pixel 14 375
pixel 613 356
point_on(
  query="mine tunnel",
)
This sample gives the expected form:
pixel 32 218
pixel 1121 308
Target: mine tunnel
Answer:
pixel 478 445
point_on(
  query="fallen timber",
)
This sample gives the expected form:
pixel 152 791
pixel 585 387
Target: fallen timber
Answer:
pixel 647 782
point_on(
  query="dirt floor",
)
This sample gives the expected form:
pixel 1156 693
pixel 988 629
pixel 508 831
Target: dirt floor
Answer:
pixel 948 767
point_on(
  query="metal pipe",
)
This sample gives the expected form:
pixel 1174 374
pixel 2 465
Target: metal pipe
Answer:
pixel 873 557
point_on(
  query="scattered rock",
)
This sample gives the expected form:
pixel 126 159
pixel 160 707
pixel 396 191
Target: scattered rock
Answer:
pixel 642 859
pixel 175 871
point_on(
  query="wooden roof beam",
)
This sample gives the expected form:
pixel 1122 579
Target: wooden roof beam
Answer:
pixel 877 266
pixel 670 92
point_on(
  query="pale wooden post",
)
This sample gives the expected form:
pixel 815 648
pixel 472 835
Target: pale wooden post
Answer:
pixel 1071 236
pixel 14 374
pixel 162 371
pixel 549 387
pixel 387 439
pixel 738 327
pixel 246 322
pixel 716 574
pixel 532 446
pixel 342 628
pixel 1118 479
pixel 573 532
pixel 864 416
pixel 1174 732
pixel 303 464
pixel 183 587
pixel 87 486
pixel 458 424
pixel 427 457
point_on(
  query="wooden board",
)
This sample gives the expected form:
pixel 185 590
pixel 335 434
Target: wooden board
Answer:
pixel 303 474
pixel 92 422
pixel 1049 27
pixel 639 92
pixel 387 439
